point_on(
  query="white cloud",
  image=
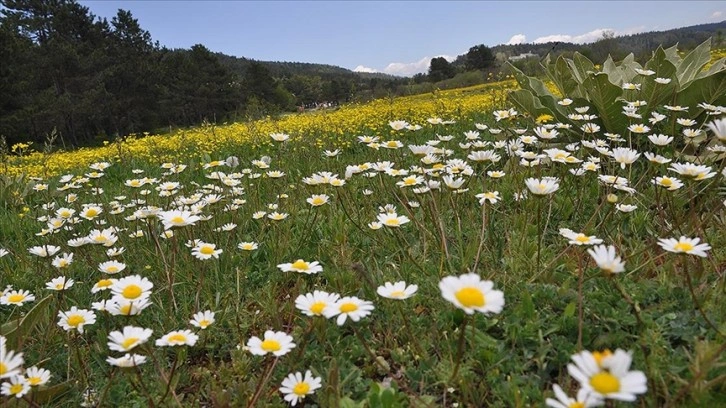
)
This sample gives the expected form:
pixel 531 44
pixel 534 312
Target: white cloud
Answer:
pixel 411 68
pixel 361 68
pixel 588 37
pixel 717 15
pixel 517 39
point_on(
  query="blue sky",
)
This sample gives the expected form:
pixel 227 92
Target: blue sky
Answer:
pixel 394 37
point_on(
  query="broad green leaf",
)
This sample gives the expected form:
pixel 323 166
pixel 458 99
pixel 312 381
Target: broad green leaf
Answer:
pixel 710 89
pixel 653 93
pixel 672 55
pixel 527 102
pixel 20 328
pixel 46 395
pixel 717 66
pixel 530 83
pixel 692 64
pixel 604 96
pixel 581 67
pixel 562 76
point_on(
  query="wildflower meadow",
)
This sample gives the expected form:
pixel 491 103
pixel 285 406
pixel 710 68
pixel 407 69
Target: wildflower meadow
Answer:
pixel 533 242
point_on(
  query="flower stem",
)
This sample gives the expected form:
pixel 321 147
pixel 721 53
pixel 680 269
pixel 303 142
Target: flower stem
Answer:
pixel 460 349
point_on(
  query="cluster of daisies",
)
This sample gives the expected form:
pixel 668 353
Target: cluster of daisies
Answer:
pixel 160 208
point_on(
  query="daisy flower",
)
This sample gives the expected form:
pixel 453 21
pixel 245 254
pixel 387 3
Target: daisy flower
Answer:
pixel 315 304
pixel 471 294
pixel 62 261
pixel 318 199
pixel 685 245
pixel 606 259
pixel 10 361
pixel 17 387
pixel 584 399
pixel 59 283
pixel 491 196
pixel 119 306
pixel 178 338
pixel 204 251
pixel 172 219
pixel 278 343
pixel 296 387
pixel 248 246
pixel 301 266
pixel 544 186
pixel 44 251
pixel 608 375
pixel 128 360
pixel 202 319
pixel 37 376
pixel 75 319
pixel 103 284
pixel 132 287
pixel 349 306
pixel 16 297
pixel 111 267
pixel 392 220
pixel 129 338
pixel 578 238
pixel 398 290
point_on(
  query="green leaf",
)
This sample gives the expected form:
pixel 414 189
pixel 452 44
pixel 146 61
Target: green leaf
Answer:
pixel 604 96
pixel 559 73
pixel 346 402
pixel 570 309
pixel 581 67
pixel 530 83
pixel 46 395
pixel 525 101
pixel 692 64
pixel 20 329
pixel 672 54
pixel 653 93
pixel 710 89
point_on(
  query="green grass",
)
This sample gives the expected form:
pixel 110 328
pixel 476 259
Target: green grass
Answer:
pixel 508 359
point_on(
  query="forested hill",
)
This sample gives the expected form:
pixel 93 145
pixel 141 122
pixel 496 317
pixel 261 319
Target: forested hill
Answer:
pixel 92 79
pixel 641 44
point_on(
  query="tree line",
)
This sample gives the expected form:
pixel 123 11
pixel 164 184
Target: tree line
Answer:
pixel 92 79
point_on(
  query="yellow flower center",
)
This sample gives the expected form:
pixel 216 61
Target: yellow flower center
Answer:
pixel 104 283
pixel 576 404
pixel 3 368
pixel 348 307
pixel 132 291
pixel 409 181
pixel 300 264
pixel 112 269
pixel 91 212
pixel 59 286
pixel 397 294
pixel 177 338
pixel 177 220
pixel 75 320
pixel 301 388
pixel 14 298
pixel 599 356
pixel 34 380
pixel 683 247
pixel 270 345
pixel 130 342
pixel 204 323
pixel 392 222
pixel 582 238
pixel 206 250
pixel 247 247
pixel 16 389
pixel 318 201
pixel 665 181
pixel 318 307
pixel 469 297
pixel 391 144
pixel 125 309
pixel 605 383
